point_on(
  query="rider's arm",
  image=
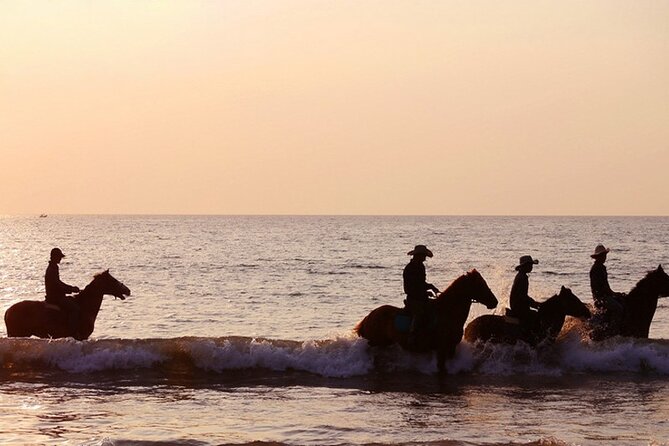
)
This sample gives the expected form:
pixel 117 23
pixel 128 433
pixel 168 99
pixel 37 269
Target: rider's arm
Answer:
pixel 69 288
pixel 65 288
pixel 414 280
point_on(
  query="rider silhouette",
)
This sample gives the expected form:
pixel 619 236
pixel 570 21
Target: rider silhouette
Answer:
pixel 521 303
pixel 416 287
pixel 607 301
pixel 56 290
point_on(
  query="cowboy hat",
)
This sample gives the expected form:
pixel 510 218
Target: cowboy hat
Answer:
pixel 420 250
pixel 600 250
pixel 524 260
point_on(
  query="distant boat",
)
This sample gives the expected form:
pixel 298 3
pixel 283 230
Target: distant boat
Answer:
pixel 42 215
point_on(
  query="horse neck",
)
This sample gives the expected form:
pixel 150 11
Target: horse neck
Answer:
pixel 645 290
pixel 640 306
pixel 551 314
pixel 454 304
pixel 90 300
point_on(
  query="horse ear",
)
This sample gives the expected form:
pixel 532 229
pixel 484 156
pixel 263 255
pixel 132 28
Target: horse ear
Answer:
pixel 107 272
pixel 562 288
pixel 474 271
pixel 659 268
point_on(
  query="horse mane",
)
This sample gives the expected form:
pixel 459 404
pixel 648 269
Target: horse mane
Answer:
pixel 641 284
pixel 551 301
pixel 455 285
pixel 95 277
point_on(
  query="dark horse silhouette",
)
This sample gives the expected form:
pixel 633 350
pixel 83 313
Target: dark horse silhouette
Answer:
pixel 639 307
pixel 549 322
pixel 37 318
pixel 451 309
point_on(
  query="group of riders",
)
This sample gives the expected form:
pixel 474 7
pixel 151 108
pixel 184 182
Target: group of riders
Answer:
pixel 523 309
pixel 418 291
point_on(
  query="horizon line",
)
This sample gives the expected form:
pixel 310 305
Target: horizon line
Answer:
pixel 44 215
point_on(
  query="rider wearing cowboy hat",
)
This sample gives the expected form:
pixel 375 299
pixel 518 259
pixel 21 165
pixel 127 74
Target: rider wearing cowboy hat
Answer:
pixel 606 300
pixel 415 285
pixel 519 300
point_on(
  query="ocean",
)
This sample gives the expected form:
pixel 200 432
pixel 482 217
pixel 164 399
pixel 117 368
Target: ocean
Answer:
pixel 239 331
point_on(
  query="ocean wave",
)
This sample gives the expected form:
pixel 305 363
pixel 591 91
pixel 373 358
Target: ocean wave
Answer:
pixel 365 266
pixel 341 357
pixel 557 273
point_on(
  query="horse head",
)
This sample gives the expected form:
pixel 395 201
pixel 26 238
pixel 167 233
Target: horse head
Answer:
pixel 480 290
pixel 661 280
pixel 458 297
pixel 572 305
pixel 108 284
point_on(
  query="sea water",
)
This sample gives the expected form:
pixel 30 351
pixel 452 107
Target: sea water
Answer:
pixel 239 330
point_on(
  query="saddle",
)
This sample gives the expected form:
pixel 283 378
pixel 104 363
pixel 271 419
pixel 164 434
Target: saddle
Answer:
pixel 403 322
pixel 53 307
pixel 510 318
pixel 404 319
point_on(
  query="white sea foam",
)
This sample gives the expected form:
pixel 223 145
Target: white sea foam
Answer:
pixel 336 358
pixel 340 357
pixel 618 355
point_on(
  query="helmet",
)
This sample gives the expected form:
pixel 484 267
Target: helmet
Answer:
pixel 56 253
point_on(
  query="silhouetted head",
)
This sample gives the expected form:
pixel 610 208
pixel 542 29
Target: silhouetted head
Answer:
pixel 57 254
pixel 109 285
pixel 526 264
pixel 420 252
pixel 661 280
pixel 482 292
pixel 572 305
pixel 600 253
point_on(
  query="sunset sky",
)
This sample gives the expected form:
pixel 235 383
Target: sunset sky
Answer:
pixel 334 107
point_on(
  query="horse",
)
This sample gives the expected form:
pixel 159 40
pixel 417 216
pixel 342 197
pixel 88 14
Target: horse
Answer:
pixel 450 310
pixel 549 321
pixel 639 307
pixel 38 318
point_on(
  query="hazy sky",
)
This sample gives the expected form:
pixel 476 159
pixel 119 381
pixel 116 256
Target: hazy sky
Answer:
pixel 334 107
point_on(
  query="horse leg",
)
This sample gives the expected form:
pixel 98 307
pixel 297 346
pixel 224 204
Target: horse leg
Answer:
pixel 444 352
pixel 441 361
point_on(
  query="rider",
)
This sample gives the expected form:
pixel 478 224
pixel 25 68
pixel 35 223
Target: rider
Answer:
pixel 56 290
pixel 607 301
pixel 416 287
pixel 521 303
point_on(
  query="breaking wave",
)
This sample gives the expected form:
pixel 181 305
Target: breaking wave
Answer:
pixel 342 357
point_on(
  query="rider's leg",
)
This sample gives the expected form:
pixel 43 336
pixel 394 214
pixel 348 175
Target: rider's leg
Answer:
pixel 418 310
pixel 614 314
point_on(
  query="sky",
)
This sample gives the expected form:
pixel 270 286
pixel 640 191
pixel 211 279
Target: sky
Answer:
pixel 334 107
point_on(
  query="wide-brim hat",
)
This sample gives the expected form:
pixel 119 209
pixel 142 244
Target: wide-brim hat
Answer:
pixel 420 250
pixel 600 250
pixel 526 260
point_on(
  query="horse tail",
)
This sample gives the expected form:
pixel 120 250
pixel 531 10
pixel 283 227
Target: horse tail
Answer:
pixel 360 327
